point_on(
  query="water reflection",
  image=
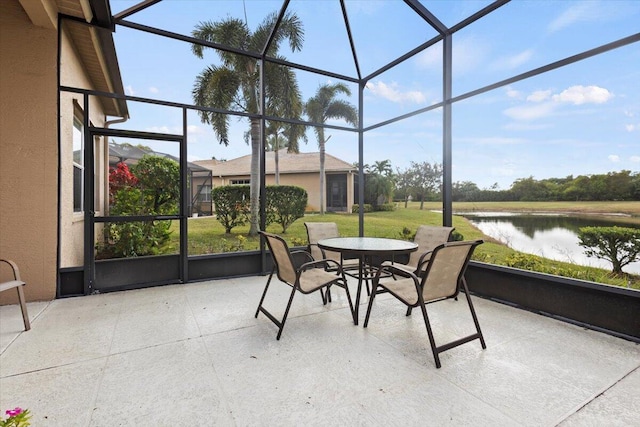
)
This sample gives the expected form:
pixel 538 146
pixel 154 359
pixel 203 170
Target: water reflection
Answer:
pixel 550 236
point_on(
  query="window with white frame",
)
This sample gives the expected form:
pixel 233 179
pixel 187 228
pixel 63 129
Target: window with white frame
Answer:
pixel 78 165
pixel 204 193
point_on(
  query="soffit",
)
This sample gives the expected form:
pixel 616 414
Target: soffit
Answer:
pixel 97 52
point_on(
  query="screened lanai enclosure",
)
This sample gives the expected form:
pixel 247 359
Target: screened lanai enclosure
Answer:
pixel 486 93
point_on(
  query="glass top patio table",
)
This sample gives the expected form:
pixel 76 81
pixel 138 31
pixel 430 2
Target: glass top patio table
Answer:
pixel 364 247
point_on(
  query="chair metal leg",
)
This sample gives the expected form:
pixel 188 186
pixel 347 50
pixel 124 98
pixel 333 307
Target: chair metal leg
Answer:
pixel 264 293
pixel 23 308
pixel 432 341
pixel 473 313
pixel 286 312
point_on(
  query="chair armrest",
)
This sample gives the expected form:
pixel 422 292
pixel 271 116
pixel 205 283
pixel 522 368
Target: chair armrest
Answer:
pixel 320 263
pixel 422 262
pixel 307 256
pixel 14 267
pixel 391 270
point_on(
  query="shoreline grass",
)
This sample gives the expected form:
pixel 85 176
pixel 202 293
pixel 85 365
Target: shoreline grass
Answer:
pixel 206 234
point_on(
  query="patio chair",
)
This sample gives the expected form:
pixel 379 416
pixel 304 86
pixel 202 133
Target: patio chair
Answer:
pixel 428 237
pixel 18 284
pixel 324 230
pixel 307 278
pixel 443 278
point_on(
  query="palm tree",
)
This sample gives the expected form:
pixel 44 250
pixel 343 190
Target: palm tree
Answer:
pixel 379 182
pixel 323 107
pixel 235 84
pixel 280 135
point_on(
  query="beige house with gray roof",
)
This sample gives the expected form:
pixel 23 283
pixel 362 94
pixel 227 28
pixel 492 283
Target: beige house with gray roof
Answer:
pixel 302 170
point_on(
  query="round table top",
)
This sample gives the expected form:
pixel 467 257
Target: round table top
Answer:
pixel 367 245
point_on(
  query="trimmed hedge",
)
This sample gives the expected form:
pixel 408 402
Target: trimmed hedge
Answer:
pixel 285 204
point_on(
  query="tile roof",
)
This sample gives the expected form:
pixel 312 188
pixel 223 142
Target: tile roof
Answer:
pixel 288 163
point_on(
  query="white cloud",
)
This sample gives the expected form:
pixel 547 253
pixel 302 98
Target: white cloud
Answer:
pixel 492 140
pixel 513 61
pixel 539 95
pixel 613 158
pixel 193 129
pixel 632 127
pixel 628 113
pixel 584 11
pixel 635 159
pixel 391 92
pixel 165 129
pixel 542 103
pixel 512 93
pixel 153 89
pixel 519 126
pixel 578 95
pixel 129 90
pixel 530 112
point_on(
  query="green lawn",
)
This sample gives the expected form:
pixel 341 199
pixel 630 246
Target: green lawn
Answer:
pixel 206 235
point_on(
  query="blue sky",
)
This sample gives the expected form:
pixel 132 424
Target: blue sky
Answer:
pixel 577 120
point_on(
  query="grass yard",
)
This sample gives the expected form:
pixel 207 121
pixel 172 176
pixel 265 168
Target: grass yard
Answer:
pixel 206 235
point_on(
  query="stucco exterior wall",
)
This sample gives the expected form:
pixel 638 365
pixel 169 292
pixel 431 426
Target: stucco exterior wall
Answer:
pixel 308 181
pixel 28 151
pixel 72 223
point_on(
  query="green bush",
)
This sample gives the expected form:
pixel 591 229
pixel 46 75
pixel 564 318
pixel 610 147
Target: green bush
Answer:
pixel 385 207
pixel 285 204
pixel 524 262
pixel 367 208
pixel 151 187
pixel 232 203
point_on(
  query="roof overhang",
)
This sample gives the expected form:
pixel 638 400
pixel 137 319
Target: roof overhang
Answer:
pixel 94 43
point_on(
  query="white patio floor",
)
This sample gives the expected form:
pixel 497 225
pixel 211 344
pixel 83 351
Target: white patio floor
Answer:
pixel 195 355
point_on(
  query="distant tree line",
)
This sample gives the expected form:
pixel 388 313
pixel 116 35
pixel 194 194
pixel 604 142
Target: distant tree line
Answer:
pixel 423 182
pixel 623 185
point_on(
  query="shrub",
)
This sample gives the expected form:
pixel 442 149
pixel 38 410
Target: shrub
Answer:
pixel 285 204
pixel 232 204
pixel 367 208
pixel 385 207
pixel 151 187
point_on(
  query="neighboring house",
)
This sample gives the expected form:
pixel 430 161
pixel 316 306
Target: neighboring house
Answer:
pixel 42 139
pixel 302 170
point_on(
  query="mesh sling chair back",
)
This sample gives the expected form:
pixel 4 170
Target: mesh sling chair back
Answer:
pixel 443 279
pixel 428 237
pixel 307 278
pixel 317 231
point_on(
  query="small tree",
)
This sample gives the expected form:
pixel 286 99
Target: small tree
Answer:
pixel 232 204
pixel 151 187
pixel 426 179
pixel 285 204
pixel 619 245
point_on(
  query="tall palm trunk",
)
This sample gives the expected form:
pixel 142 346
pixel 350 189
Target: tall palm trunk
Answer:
pixel 321 144
pixel 277 160
pixel 255 178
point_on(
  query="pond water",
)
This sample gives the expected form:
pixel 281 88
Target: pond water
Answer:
pixel 548 235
